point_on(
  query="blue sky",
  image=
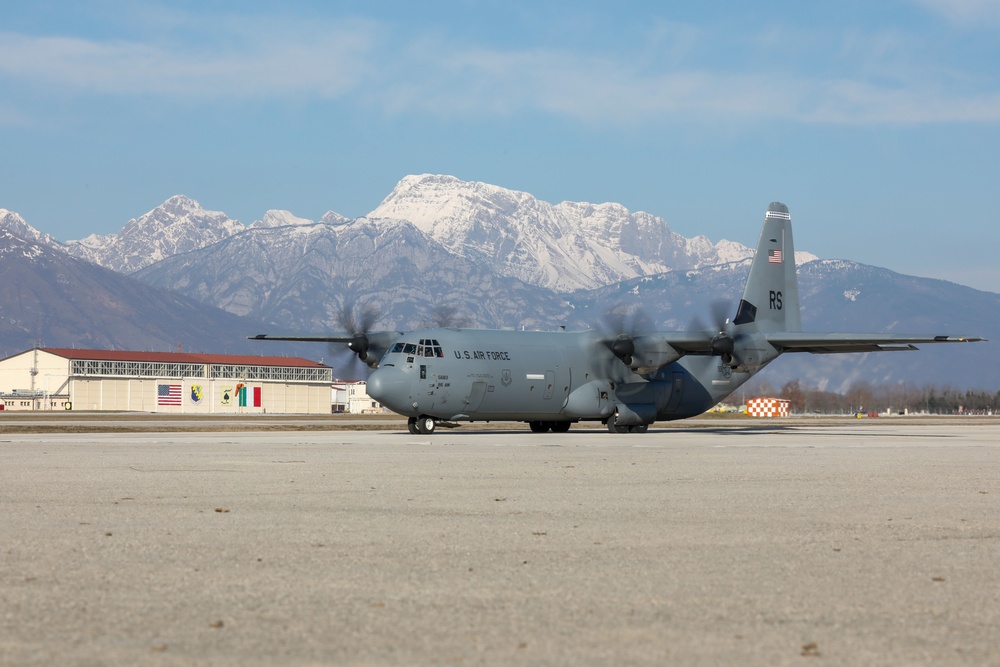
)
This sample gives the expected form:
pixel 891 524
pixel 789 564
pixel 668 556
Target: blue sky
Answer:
pixel 877 123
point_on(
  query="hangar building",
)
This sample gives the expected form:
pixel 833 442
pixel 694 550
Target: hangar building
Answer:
pixel 167 382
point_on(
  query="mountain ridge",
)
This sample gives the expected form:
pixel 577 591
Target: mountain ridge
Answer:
pixel 565 246
pixel 286 274
pixel 58 300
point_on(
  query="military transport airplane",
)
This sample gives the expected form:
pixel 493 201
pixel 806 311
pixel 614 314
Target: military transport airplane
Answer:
pixel 550 380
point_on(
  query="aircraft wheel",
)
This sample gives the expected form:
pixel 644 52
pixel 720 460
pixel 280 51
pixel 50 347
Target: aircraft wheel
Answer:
pixel 538 427
pixel 411 424
pixel 641 428
pixel 614 427
pixel 426 425
pixel 560 427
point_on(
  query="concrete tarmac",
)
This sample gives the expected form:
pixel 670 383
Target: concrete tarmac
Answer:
pixel 846 544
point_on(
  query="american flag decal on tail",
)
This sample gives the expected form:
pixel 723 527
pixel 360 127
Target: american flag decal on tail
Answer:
pixel 774 256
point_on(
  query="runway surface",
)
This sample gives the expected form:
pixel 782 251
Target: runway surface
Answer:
pixel 852 543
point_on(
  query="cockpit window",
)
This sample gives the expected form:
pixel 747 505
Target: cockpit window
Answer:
pixel 429 347
pixel 407 348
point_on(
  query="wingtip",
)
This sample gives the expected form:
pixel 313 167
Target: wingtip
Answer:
pixel 961 339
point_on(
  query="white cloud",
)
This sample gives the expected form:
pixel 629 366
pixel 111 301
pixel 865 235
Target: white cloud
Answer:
pixel 432 74
pixel 594 89
pixel 856 102
pixel 966 13
pixel 237 66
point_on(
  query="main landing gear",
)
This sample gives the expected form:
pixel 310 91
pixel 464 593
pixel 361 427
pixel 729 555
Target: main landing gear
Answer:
pixel 545 427
pixel 615 427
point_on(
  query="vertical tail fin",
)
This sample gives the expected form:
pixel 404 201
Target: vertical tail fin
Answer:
pixel 771 296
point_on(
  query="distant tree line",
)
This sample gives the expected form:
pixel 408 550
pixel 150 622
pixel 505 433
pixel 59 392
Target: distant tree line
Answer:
pixel 864 396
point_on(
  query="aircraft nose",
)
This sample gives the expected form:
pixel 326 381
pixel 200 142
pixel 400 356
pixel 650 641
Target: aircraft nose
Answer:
pixel 389 386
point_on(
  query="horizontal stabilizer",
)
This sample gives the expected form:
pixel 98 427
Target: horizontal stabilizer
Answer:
pixel 832 343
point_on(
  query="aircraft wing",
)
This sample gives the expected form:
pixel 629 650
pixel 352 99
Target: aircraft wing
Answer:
pixel 369 346
pixel 377 337
pixel 683 342
pixel 833 343
pixel 338 337
pixel 655 350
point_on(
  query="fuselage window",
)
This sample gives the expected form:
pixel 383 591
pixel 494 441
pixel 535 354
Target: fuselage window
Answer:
pixel 409 348
pixel 397 348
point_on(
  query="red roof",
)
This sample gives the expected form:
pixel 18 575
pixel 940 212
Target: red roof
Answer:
pixel 181 357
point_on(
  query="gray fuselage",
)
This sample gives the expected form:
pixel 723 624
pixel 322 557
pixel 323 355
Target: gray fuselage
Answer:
pixel 477 375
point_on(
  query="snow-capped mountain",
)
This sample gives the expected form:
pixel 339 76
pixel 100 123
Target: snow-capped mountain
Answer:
pixel 567 246
pixel 302 278
pixel 176 226
pixel 15 224
pixel 278 218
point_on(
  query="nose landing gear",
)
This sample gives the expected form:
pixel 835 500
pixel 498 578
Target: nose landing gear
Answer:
pixel 421 425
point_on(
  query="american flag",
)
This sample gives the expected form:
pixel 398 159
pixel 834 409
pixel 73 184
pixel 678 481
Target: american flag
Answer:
pixel 168 394
pixel 774 256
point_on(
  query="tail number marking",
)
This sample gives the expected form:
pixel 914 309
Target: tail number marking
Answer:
pixel 775 303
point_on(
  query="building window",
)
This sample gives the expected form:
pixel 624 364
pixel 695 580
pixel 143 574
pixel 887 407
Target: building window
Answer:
pixel 157 369
pixel 151 369
pixel 279 373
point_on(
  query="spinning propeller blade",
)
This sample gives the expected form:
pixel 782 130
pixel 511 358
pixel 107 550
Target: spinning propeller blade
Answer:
pixel 721 332
pixel 358 323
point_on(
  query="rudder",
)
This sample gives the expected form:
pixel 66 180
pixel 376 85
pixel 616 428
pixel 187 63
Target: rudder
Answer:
pixel 771 296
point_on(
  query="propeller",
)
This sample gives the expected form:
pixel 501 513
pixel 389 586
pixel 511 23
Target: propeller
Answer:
pixel 723 342
pixel 357 323
pixel 619 325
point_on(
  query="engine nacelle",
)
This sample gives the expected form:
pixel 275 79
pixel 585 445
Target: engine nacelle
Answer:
pixel 651 353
